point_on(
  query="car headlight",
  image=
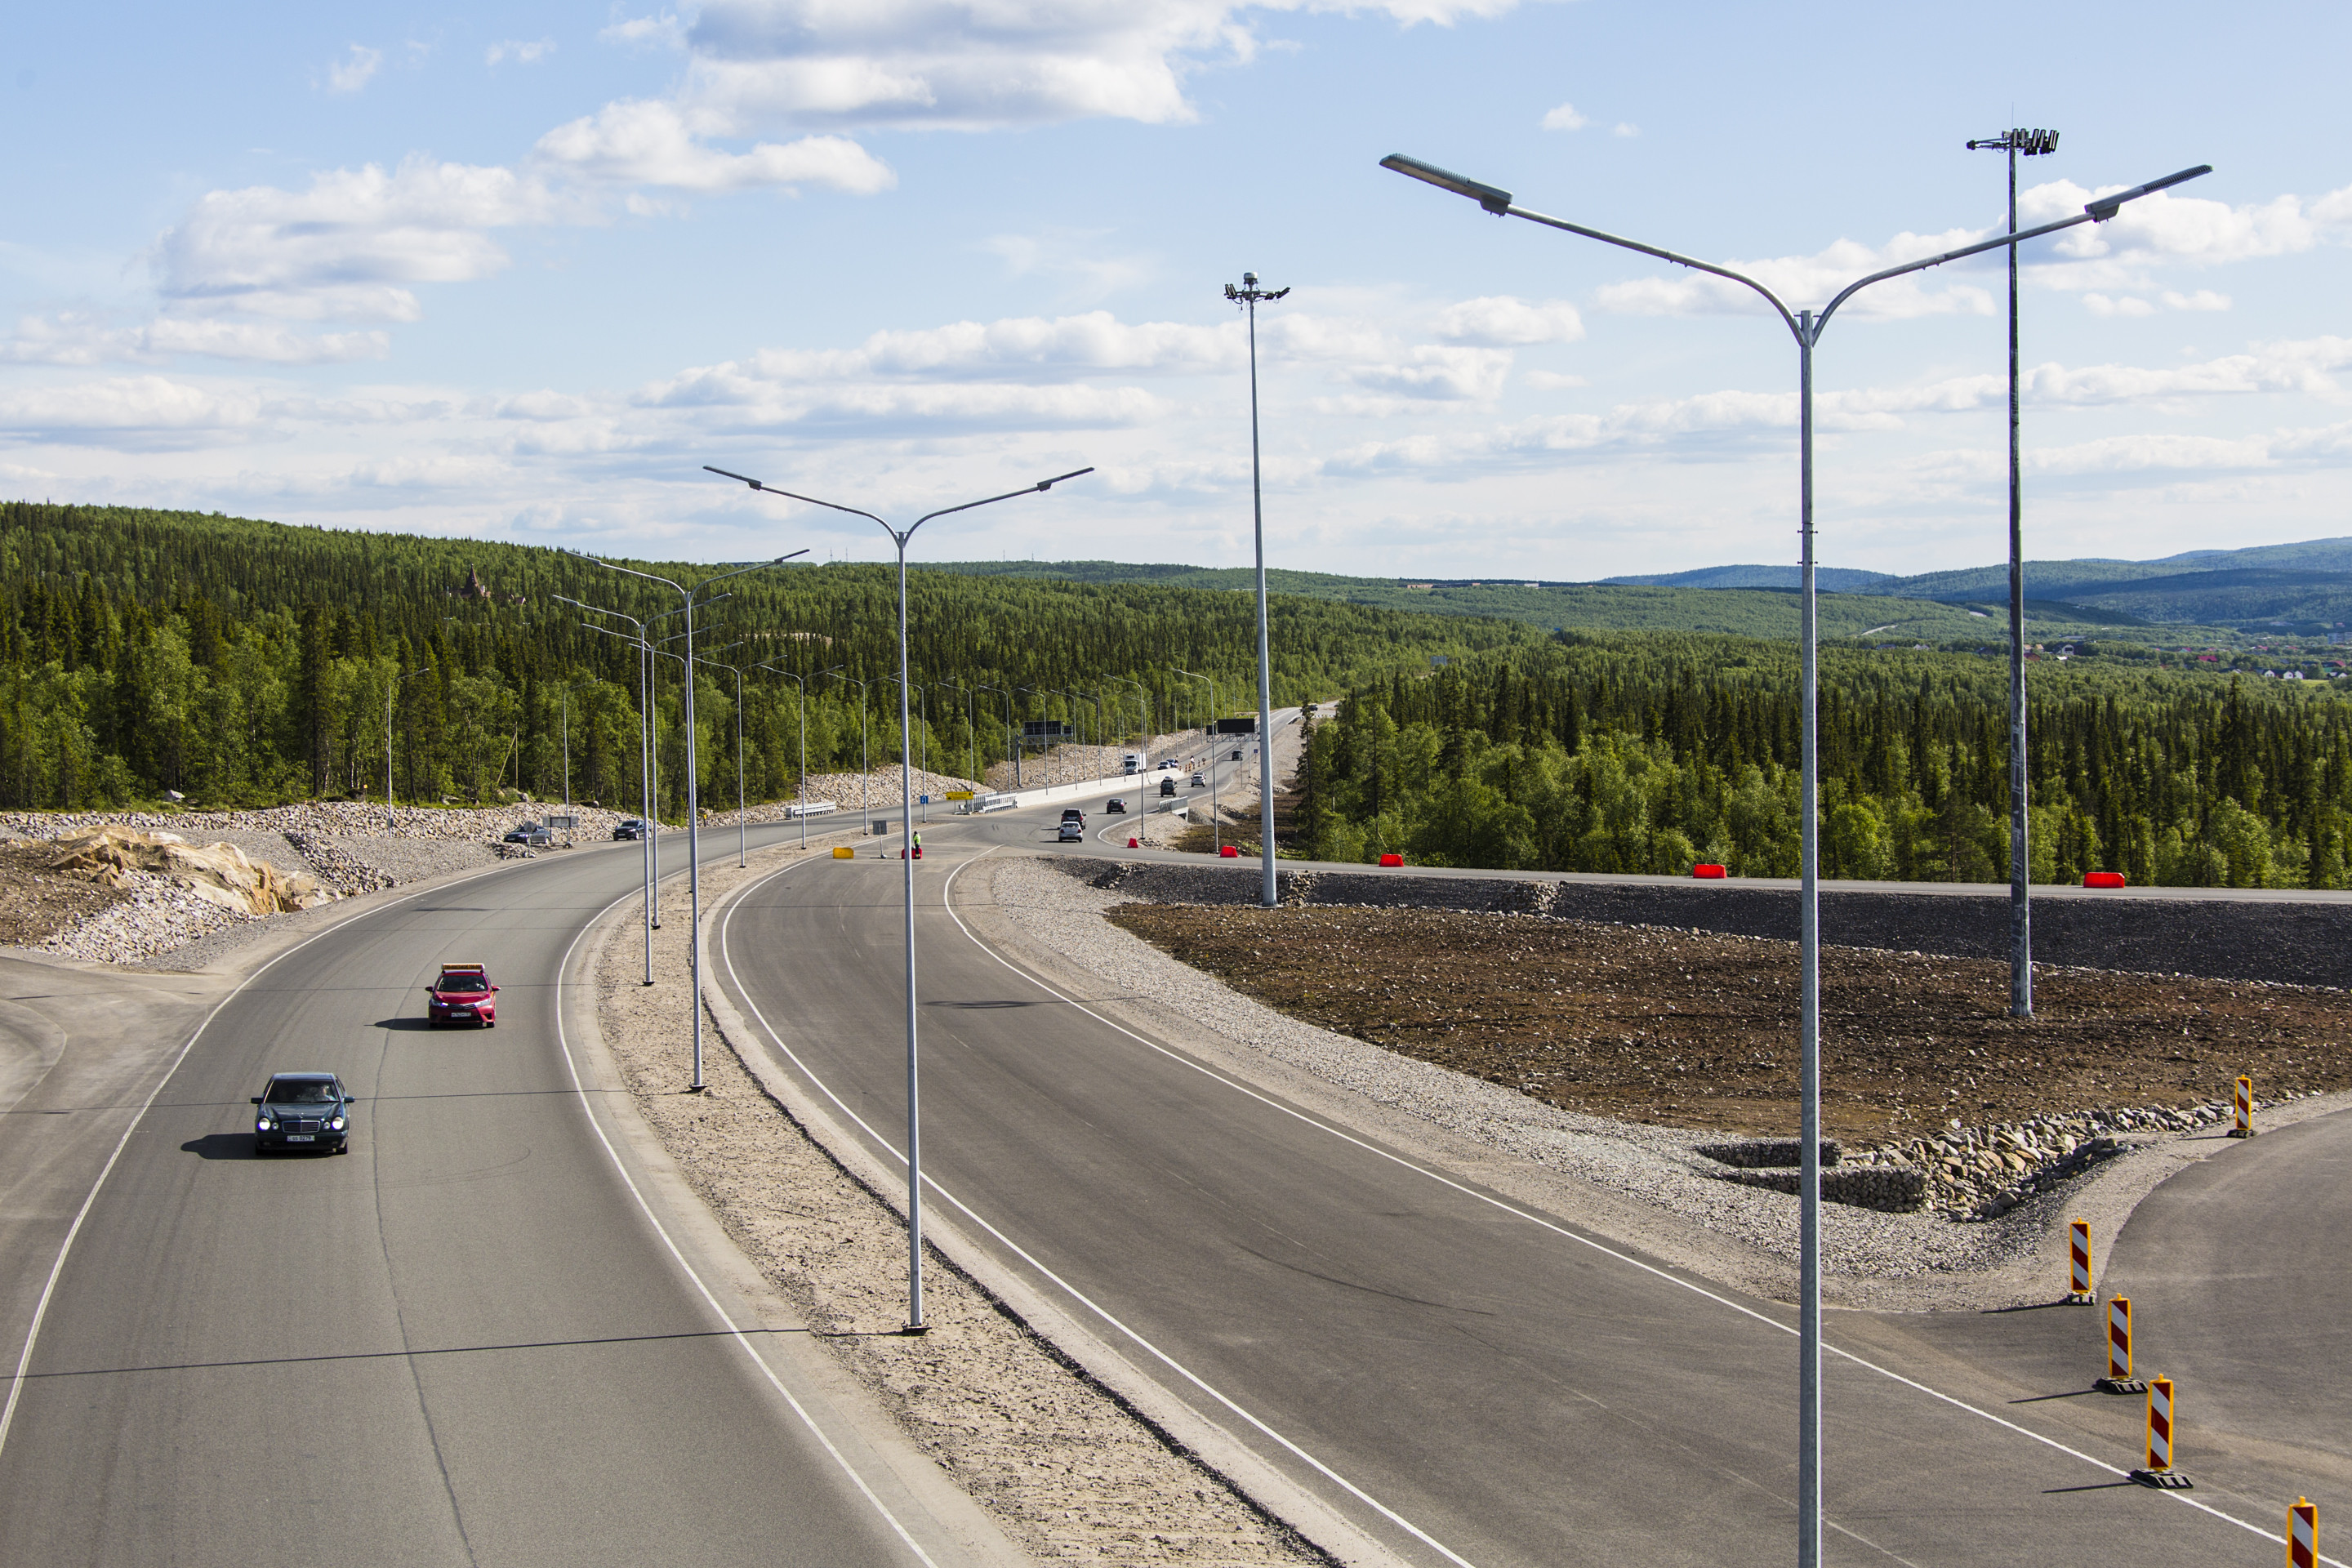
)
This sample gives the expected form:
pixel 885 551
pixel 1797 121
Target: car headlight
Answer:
pixel 262 1124
pixel 336 1125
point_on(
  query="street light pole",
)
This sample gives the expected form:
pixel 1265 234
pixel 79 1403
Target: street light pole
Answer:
pixel 649 859
pixel 864 772
pixel 741 855
pixel 802 784
pixel 1806 326
pixel 687 601
pixel 567 746
pixel 389 693
pixel 1009 746
pixel 915 1323
pixel 2032 144
pixel 1216 826
pixel 1248 296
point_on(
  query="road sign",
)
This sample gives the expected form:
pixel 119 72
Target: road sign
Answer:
pixel 563 824
pixel 959 795
pixel 1043 729
pixel 1237 726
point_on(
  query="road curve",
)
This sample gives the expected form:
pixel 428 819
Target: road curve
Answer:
pixel 466 1342
pixel 1465 1378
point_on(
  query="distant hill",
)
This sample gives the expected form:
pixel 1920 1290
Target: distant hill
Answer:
pixel 1832 579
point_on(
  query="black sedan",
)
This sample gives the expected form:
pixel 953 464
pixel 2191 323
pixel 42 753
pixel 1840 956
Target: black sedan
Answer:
pixel 303 1111
pixel 629 827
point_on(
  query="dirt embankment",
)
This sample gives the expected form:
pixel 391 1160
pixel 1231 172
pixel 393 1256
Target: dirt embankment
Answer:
pixel 1667 1026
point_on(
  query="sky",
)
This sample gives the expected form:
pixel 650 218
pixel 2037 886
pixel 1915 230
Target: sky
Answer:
pixel 517 271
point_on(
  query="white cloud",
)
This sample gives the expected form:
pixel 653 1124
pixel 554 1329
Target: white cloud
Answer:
pixel 354 70
pixel 1810 280
pixel 1551 381
pixel 642 142
pixel 146 408
pixel 1439 373
pixel 1064 254
pixel 664 29
pixel 74 339
pixel 520 51
pixel 981 63
pixel 1625 127
pixel 2203 299
pixel 1565 118
pixel 1064 346
pixel 349 245
pixel 1502 322
pixel 2129 305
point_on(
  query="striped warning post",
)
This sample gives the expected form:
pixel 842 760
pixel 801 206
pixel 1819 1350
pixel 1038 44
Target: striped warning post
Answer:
pixel 2078 1246
pixel 2119 1378
pixel 2302 1534
pixel 2246 1102
pixel 2159 1424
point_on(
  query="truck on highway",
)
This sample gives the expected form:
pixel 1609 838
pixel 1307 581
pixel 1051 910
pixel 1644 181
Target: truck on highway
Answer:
pixel 1132 761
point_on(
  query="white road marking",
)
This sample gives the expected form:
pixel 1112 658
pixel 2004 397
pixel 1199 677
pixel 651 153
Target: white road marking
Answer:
pixel 726 958
pixel 1536 1219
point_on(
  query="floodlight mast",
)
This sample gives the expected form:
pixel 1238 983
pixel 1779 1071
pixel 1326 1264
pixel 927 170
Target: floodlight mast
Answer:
pixel 2031 143
pixel 915 1321
pixel 1806 327
pixel 1248 296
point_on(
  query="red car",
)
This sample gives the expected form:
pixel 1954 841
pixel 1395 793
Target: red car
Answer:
pixel 463 994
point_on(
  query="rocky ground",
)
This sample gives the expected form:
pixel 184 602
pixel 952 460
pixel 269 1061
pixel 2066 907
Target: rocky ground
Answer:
pixel 1066 1471
pixel 1076 764
pixel 1920 1062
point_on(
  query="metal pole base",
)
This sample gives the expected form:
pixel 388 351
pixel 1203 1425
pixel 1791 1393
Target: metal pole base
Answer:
pixel 2121 1385
pixel 696 1088
pixel 916 1331
pixel 2163 1480
pixel 645 982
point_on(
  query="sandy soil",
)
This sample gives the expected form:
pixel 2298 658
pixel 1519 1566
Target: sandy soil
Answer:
pixel 1667 1026
pixel 36 903
pixel 1065 1469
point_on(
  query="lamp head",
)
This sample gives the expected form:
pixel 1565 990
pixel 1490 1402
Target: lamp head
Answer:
pixel 2107 207
pixel 1491 198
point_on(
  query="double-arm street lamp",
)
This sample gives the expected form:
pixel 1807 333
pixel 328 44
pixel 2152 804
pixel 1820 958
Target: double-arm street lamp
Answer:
pixel 803 785
pixel 1806 327
pixel 1248 296
pixel 689 597
pixel 1216 825
pixel 2032 144
pixel 915 1323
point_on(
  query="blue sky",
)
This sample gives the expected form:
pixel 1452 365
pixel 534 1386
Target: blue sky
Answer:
pixel 517 271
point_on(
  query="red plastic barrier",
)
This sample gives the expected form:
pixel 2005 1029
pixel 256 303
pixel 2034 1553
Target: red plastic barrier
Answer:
pixel 1230 853
pixel 1708 871
pixel 2102 878
pixel 1392 859
pixel 1131 843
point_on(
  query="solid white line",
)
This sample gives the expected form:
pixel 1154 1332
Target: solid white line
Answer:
pixel 726 958
pixel 587 1108
pixel 49 1288
pixel 1537 1219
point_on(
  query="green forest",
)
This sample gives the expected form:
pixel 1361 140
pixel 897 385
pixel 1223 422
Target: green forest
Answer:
pixel 235 662
pixel 1648 755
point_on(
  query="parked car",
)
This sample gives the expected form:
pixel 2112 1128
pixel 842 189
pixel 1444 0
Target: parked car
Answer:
pixel 463 994
pixel 530 834
pixel 1073 833
pixel 629 827
pixel 1167 786
pixel 1116 804
pixel 303 1111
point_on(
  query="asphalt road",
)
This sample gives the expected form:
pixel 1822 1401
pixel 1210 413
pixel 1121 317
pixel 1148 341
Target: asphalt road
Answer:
pixel 465 1342
pixel 1467 1379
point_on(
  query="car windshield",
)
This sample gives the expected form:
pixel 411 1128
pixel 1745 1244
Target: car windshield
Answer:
pixel 474 982
pixel 301 1091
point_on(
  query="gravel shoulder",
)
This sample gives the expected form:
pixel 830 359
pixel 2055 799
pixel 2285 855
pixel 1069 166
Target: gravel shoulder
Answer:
pixel 1058 1459
pixel 1639 1184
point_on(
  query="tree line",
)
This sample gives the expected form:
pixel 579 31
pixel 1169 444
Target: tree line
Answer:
pixel 238 662
pixel 1648 755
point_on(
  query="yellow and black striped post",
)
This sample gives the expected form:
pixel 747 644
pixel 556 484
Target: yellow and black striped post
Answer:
pixel 2078 1240
pixel 2245 1104
pixel 2302 1534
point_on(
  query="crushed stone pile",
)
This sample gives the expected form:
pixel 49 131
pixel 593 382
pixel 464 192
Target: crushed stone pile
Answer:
pixel 216 873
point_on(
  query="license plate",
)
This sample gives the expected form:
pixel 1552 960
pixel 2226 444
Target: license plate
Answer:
pixel 302 1138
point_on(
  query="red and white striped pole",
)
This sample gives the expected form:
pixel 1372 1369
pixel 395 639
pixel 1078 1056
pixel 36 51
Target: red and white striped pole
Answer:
pixel 2119 1378
pixel 2302 1534
pixel 2078 1237
pixel 2245 1102
pixel 2162 1418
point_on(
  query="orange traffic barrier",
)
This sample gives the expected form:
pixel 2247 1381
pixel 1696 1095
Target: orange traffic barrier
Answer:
pixel 1392 859
pixel 2102 878
pixel 2245 1105
pixel 844 852
pixel 2119 1378
pixel 2302 1534
pixel 1708 871
pixel 1230 853
pixel 2078 1246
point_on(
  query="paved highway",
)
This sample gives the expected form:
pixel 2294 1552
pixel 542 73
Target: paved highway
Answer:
pixel 1465 1378
pixel 465 1342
